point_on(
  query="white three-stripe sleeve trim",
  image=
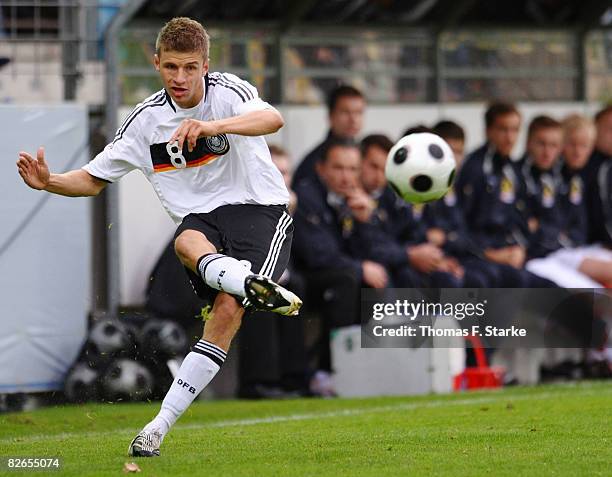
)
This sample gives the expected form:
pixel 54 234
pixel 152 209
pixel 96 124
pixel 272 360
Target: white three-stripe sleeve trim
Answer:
pixel 154 100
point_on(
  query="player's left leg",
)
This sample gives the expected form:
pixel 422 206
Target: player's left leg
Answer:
pixel 197 370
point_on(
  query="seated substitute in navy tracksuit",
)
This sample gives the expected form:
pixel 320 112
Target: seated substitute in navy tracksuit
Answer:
pixel 556 214
pixel 492 196
pixel 325 247
pixel 573 206
pixel 330 237
pixel 556 208
pixel 396 230
pixel 598 203
pixel 596 175
pixel 605 199
pixel 444 215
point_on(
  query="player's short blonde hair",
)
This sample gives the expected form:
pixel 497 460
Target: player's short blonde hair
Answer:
pixel 184 35
pixel 578 122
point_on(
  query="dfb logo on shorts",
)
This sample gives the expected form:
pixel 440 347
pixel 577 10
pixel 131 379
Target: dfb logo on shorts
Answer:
pixel 185 384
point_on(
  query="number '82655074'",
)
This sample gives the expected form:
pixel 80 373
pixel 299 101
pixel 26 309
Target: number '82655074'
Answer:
pixel 46 463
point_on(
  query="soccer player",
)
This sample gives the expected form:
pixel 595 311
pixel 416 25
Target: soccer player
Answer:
pixel 598 176
pixel 448 229
pixel 489 189
pixel 400 242
pixel 579 135
pixel 491 194
pixel 454 135
pixel 332 223
pixel 199 142
pixel 557 248
pixel 346 108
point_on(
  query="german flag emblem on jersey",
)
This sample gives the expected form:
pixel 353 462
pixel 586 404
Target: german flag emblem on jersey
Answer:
pixel 168 157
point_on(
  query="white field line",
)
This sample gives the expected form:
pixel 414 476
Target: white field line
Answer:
pixel 434 403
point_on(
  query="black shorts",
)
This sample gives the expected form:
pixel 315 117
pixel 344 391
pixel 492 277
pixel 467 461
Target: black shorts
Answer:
pixel 261 234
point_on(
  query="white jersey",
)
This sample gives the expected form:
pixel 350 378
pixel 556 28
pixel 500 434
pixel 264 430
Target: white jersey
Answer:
pixel 221 170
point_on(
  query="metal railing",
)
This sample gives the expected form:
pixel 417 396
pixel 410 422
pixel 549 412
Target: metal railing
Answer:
pixel 41 39
pixel 407 65
pixel 46 38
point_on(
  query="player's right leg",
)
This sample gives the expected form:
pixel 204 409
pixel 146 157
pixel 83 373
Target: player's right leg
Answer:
pixel 197 370
pixel 227 274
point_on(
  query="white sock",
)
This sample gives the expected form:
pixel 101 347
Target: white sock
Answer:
pixel 224 273
pixel 196 371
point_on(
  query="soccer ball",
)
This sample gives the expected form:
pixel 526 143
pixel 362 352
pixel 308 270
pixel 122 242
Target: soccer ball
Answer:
pixel 163 339
pixel 127 380
pixel 420 167
pixel 81 383
pixel 109 337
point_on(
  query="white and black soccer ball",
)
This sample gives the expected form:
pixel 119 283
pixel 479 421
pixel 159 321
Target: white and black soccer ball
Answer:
pixel 81 383
pixel 420 167
pixel 127 380
pixel 162 339
pixel 109 337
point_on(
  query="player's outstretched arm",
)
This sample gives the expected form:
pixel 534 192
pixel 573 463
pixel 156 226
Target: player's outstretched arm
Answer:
pixel 36 174
pixel 254 123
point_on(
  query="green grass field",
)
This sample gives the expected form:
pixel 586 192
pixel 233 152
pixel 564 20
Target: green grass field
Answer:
pixel 547 430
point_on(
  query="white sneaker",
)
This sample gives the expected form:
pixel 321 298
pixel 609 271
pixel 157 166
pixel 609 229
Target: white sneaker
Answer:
pixel 145 444
pixel 264 294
